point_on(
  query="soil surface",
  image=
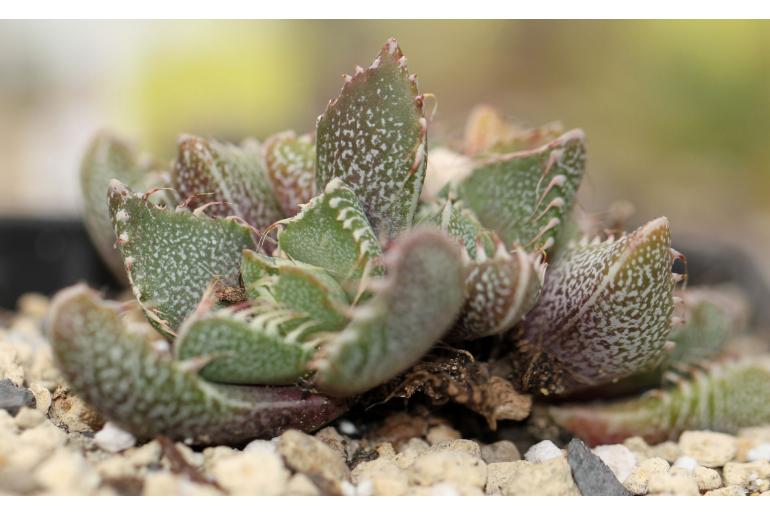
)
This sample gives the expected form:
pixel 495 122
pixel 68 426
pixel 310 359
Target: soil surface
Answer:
pixel 51 442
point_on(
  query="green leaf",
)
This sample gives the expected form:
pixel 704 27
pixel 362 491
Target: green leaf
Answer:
pixel 116 369
pixel 232 177
pixel 724 398
pixel 499 291
pixel 332 232
pixel 290 166
pixel 525 196
pixel 414 306
pixel 374 137
pixel 308 291
pixel 107 158
pixel 171 256
pixel 604 313
pixel 244 347
pixel 460 223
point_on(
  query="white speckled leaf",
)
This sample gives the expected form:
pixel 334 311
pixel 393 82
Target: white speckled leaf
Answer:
pixel 244 347
pixel 209 171
pixel 460 223
pixel 414 306
pixel 116 369
pixel 171 256
pixel 290 166
pixel 604 312
pixel 107 158
pixel 499 291
pixel 525 196
pixel 725 397
pixel 373 136
pixel 332 232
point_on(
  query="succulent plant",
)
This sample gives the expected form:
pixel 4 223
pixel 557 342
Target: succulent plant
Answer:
pixel 286 281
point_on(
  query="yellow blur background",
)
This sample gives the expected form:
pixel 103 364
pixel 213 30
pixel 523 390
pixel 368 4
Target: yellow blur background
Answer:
pixel 677 113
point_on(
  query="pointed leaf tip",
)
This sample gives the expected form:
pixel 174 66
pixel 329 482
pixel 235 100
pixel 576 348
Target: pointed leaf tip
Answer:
pixel 374 137
pixel 604 313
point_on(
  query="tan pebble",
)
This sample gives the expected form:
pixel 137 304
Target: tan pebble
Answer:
pixel 711 449
pixel 448 465
pixel 42 368
pixel 10 365
pixel 42 397
pixel 165 483
pixel 444 489
pixel 680 482
pixel 669 451
pixel 552 477
pixel 728 490
pixel 639 447
pixel 638 480
pixel 300 484
pixel 331 437
pixel 746 475
pixel 251 473
pixel 707 479
pixel 70 411
pixel 144 456
pixel 441 433
pixel 460 445
pixel 44 436
pixel 33 305
pixel 308 455
pixel 501 451
pixel 112 438
pixel 28 418
pixel 213 454
pixel 385 476
pixel 7 423
pixel 410 451
pixel 386 450
pixel 116 466
pixel 750 438
pixel 195 459
pixel 66 473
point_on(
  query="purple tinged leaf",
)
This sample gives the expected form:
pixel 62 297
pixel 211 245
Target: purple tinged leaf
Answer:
pixel 604 313
pixel 116 369
pixel 230 179
pixel 290 166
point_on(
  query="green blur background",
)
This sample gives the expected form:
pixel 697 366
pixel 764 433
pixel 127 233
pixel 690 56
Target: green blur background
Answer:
pixel 677 113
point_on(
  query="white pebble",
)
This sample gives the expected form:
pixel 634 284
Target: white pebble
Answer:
pixel 542 452
pixel 686 462
pixel 347 427
pixel 113 439
pixel 760 452
pixel 618 458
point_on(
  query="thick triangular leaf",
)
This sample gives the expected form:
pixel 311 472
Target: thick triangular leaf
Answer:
pixel 107 158
pixel 373 136
pixel 244 347
pixel 208 171
pixel 604 313
pixel 290 166
pixel 332 232
pixel 413 307
pixel 525 196
pixel 725 398
pixel 499 291
pixel 117 370
pixel 171 256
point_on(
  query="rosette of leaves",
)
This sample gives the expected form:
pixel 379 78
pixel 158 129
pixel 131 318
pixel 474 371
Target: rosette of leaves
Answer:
pixel 282 280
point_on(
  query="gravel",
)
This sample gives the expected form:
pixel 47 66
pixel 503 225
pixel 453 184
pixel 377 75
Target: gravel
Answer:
pixel 52 443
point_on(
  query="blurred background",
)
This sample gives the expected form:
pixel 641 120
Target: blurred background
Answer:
pixel 677 113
